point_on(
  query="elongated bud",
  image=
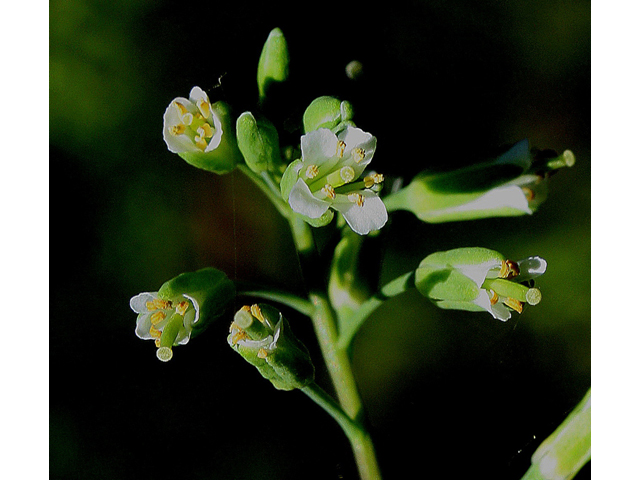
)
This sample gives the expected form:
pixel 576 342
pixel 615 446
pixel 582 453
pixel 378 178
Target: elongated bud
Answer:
pixel 263 337
pixel 327 112
pixel 478 279
pixel 183 307
pixel 258 143
pixel 273 65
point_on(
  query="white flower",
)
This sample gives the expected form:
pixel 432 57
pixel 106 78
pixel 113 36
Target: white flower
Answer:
pixel 328 176
pixel 191 124
pixel 167 322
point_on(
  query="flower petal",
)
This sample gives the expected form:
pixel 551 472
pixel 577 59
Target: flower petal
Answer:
pixel 302 200
pixel 143 326
pixel 357 138
pixel 372 215
pixel 318 146
pixel 531 267
pixel 139 303
pixel 497 310
pixel 177 143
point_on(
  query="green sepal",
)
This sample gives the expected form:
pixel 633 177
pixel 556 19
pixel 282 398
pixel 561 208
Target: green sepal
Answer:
pixel 456 275
pixel 273 65
pixel 327 112
pixel 226 156
pixel 289 178
pixel 209 288
pixel 258 143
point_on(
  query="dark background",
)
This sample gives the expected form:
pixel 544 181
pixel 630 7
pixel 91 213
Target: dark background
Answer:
pixel 448 394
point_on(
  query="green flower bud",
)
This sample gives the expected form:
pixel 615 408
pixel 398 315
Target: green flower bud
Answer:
pixel 567 450
pixel 513 184
pixel 478 279
pixel 327 112
pixel 273 65
pixel 258 143
pixel 201 133
pixel 264 339
pixel 183 307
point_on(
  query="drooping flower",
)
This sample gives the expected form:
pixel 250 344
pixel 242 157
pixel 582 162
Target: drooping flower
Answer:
pixel 264 339
pixel 201 132
pixel 329 176
pixel 513 184
pixel 183 307
pixel 479 279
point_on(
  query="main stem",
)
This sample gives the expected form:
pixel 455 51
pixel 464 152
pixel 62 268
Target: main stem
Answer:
pixel 338 363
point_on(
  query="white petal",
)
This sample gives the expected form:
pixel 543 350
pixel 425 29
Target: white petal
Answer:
pixel 302 200
pixel 478 273
pixel 317 146
pixel 498 310
pixel 196 306
pixel 370 216
pixel 198 94
pixel 177 143
pixel 139 303
pixel 143 326
pixel 531 267
pixel 357 138
pixel 217 135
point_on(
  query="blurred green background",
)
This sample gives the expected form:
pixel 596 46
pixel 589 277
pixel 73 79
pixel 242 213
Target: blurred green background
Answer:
pixel 448 394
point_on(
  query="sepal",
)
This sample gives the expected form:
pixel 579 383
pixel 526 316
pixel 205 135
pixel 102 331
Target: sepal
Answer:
pixel 258 143
pixel 273 66
pixel 327 112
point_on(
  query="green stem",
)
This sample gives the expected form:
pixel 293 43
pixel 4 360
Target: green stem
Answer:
pixel 293 301
pixel 391 289
pixel 266 185
pixel 358 437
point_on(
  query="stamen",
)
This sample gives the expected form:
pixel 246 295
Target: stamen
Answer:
pixel 373 179
pixel 356 198
pixel 329 191
pixel 201 143
pixel 157 317
pixel 157 342
pixel 509 269
pixel 177 129
pixel 312 171
pixel 154 332
pixel 256 312
pixel 347 174
pixel 187 119
pixel 182 110
pixel 513 303
pixel 205 131
pixel 494 297
pixel 262 353
pixel 528 193
pixel 241 335
pixel 204 107
pixel 357 154
pixel 151 305
pixel 340 148
pixel 182 307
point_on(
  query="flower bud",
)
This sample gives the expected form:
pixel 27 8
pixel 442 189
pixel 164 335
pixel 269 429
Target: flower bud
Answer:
pixel 513 184
pixel 183 307
pixel 567 449
pixel 478 279
pixel 258 143
pixel 327 112
pixel 273 65
pixel 201 133
pixel 264 339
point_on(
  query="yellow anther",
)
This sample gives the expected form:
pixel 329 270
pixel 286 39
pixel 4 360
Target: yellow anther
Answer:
pixel 256 312
pixel 187 119
pixel 205 131
pixel 204 107
pixel 357 154
pixel 528 194
pixel 154 332
pixel 157 317
pixel 182 110
pixel 157 342
pixel 311 172
pixel 347 174
pixel 509 269
pixel 356 198
pixel 262 353
pixel 182 307
pixel 158 304
pixel 329 191
pixel 513 303
pixel 372 180
pixel 151 305
pixel 494 297
pixel 201 143
pixel 340 148
pixel 177 129
pixel 241 335
pixel 246 308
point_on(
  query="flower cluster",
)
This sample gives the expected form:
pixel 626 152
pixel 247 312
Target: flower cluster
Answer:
pixel 329 176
